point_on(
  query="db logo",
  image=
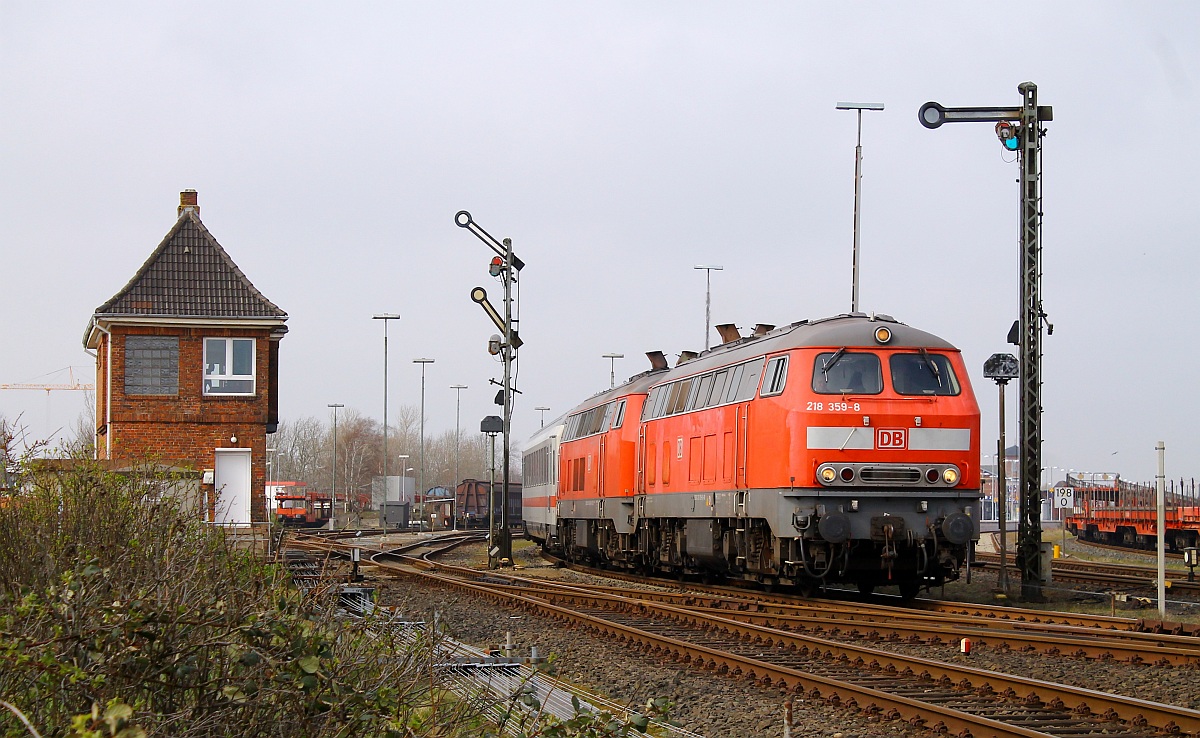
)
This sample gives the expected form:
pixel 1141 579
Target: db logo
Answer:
pixel 895 438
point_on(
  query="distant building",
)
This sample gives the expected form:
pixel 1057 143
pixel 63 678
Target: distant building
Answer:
pixel 187 369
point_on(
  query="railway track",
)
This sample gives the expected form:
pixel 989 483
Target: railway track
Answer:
pixel 1103 574
pixel 769 648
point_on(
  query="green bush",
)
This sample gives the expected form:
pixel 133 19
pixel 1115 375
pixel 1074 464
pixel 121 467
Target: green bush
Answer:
pixel 111 594
pixel 121 615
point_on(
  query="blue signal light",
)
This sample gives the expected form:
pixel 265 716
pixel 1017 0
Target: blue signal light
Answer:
pixel 1009 135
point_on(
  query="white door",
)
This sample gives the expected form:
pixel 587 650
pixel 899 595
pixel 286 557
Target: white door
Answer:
pixel 231 480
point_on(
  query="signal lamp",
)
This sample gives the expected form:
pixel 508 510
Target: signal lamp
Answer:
pixel 847 474
pixel 950 476
pixel 494 343
pixel 496 266
pixel 883 335
pixel 828 474
pixel 1009 135
pixel 931 475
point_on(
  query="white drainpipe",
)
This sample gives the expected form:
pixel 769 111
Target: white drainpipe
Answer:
pixel 107 395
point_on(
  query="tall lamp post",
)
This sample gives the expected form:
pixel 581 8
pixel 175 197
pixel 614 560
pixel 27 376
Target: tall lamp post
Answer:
pixel 612 367
pixel 333 470
pixel 385 317
pixel 708 270
pixel 458 388
pixel 421 470
pixel 542 409
pixel 860 107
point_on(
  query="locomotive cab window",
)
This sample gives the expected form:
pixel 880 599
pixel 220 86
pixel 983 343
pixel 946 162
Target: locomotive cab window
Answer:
pixel 620 415
pixel 843 372
pixel 923 374
pixel 776 377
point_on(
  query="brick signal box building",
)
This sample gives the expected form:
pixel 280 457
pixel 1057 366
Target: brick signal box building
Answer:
pixel 187 369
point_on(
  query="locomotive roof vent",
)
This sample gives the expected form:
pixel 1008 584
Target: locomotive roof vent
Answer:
pixel 658 360
pixel 763 329
pixel 728 332
pixel 685 357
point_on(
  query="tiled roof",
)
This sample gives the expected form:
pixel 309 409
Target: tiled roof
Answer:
pixel 189 275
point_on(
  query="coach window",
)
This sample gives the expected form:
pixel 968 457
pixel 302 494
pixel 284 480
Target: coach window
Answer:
pixel 841 372
pixel 619 417
pixel 735 379
pixel 648 406
pixel 775 377
pixel 749 383
pixel 663 398
pixel 693 399
pixel 718 388
pixel 700 396
pixel 229 366
pixel 923 374
pixel 676 399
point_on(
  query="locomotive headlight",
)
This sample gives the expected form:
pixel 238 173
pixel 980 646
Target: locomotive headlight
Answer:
pixel 950 476
pixel 827 474
pixel 883 335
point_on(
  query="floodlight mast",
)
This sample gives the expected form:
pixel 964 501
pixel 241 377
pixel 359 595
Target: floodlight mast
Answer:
pixel 1030 133
pixel 857 190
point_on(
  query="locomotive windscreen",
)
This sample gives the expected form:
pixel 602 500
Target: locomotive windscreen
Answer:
pixel 837 372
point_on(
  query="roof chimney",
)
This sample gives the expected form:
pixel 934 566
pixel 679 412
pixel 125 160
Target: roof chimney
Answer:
pixel 685 357
pixel 188 200
pixel 728 332
pixel 657 360
pixel 763 329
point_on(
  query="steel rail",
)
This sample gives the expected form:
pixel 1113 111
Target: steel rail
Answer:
pixel 1134 711
pixel 889 605
pixel 1134 647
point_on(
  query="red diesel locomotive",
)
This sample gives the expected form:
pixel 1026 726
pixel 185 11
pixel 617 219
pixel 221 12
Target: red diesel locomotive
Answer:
pixel 837 450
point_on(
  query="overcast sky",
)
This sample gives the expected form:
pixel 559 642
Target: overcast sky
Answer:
pixel 618 145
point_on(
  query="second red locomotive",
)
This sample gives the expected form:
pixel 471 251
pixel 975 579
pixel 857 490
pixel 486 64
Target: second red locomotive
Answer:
pixel 837 450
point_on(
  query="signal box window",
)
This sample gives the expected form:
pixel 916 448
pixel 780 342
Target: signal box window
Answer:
pixel 923 374
pixel 776 377
pixel 229 366
pixel 841 372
